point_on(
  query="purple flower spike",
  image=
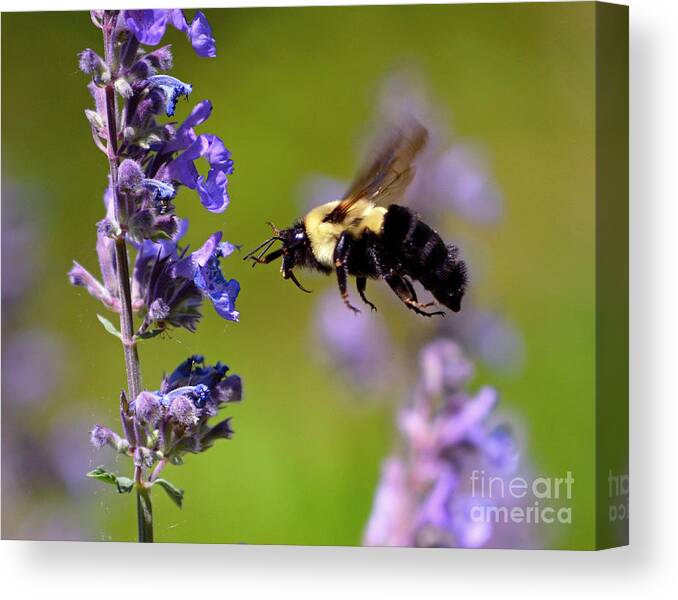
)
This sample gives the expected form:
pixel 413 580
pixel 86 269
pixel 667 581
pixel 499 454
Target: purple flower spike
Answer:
pixel 428 495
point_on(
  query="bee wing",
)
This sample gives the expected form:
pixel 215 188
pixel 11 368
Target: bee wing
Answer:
pixel 389 174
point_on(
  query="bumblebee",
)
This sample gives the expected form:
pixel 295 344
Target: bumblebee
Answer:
pixel 356 236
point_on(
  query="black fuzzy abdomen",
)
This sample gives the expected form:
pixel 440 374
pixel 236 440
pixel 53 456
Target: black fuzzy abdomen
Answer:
pixel 423 255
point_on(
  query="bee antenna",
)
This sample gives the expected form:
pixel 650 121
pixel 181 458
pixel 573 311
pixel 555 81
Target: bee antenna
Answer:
pixel 266 243
pixel 274 229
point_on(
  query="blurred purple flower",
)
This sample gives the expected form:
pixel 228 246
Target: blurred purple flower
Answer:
pixel 422 498
pixel 489 337
pixel 149 27
pixel 357 346
pixel 21 247
pixel 319 189
pixel 457 181
pixel 23 353
pixel 390 523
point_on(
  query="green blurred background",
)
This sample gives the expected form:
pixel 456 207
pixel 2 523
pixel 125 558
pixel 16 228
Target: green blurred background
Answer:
pixel 292 90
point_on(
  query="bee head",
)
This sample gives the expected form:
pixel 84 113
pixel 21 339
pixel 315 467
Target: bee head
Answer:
pixel 295 250
pixel 293 238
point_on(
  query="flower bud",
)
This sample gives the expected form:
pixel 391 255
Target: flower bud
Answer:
pixel 130 175
pixel 159 310
pixel 143 457
pixel 444 367
pixel 81 277
pixel 184 411
pixel 147 407
pixel 123 88
pixel 100 436
pixel 92 64
pixel 151 63
pixel 94 119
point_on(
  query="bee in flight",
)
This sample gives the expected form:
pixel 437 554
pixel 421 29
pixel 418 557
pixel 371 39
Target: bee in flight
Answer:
pixel 355 236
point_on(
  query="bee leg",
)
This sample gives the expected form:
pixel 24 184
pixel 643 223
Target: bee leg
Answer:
pixel 401 288
pixel 341 251
pixel 413 295
pixel 256 260
pixel 361 282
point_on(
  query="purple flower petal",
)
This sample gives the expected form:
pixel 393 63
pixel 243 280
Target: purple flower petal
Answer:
pixel 184 135
pixel 172 88
pixel 212 189
pixel 200 34
pixel 147 25
pixel 203 267
pixel 177 18
pixel 200 257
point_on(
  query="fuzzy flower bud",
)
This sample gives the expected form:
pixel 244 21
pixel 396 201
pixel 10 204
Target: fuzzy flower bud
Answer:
pixel 147 407
pixel 100 436
pixel 130 174
pixel 123 88
pixel 151 63
pixel 92 64
pixel 94 118
pixel 143 457
pixel 183 411
pixel 159 310
pixel 81 277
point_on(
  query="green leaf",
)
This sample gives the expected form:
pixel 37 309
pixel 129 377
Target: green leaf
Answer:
pixel 108 326
pixel 103 475
pixel 176 495
pixel 123 484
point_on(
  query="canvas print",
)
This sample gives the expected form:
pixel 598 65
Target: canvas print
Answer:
pixel 316 276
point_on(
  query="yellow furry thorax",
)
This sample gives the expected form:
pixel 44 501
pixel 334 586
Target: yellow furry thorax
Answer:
pixel 363 215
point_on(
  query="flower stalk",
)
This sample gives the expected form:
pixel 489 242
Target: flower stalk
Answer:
pixel 129 347
pixel 165 286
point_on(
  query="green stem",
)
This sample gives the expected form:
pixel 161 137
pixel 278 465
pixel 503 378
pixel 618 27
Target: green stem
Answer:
pixel 144 514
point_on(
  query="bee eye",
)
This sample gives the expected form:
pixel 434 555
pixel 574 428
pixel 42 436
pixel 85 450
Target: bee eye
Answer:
pixel 299 236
